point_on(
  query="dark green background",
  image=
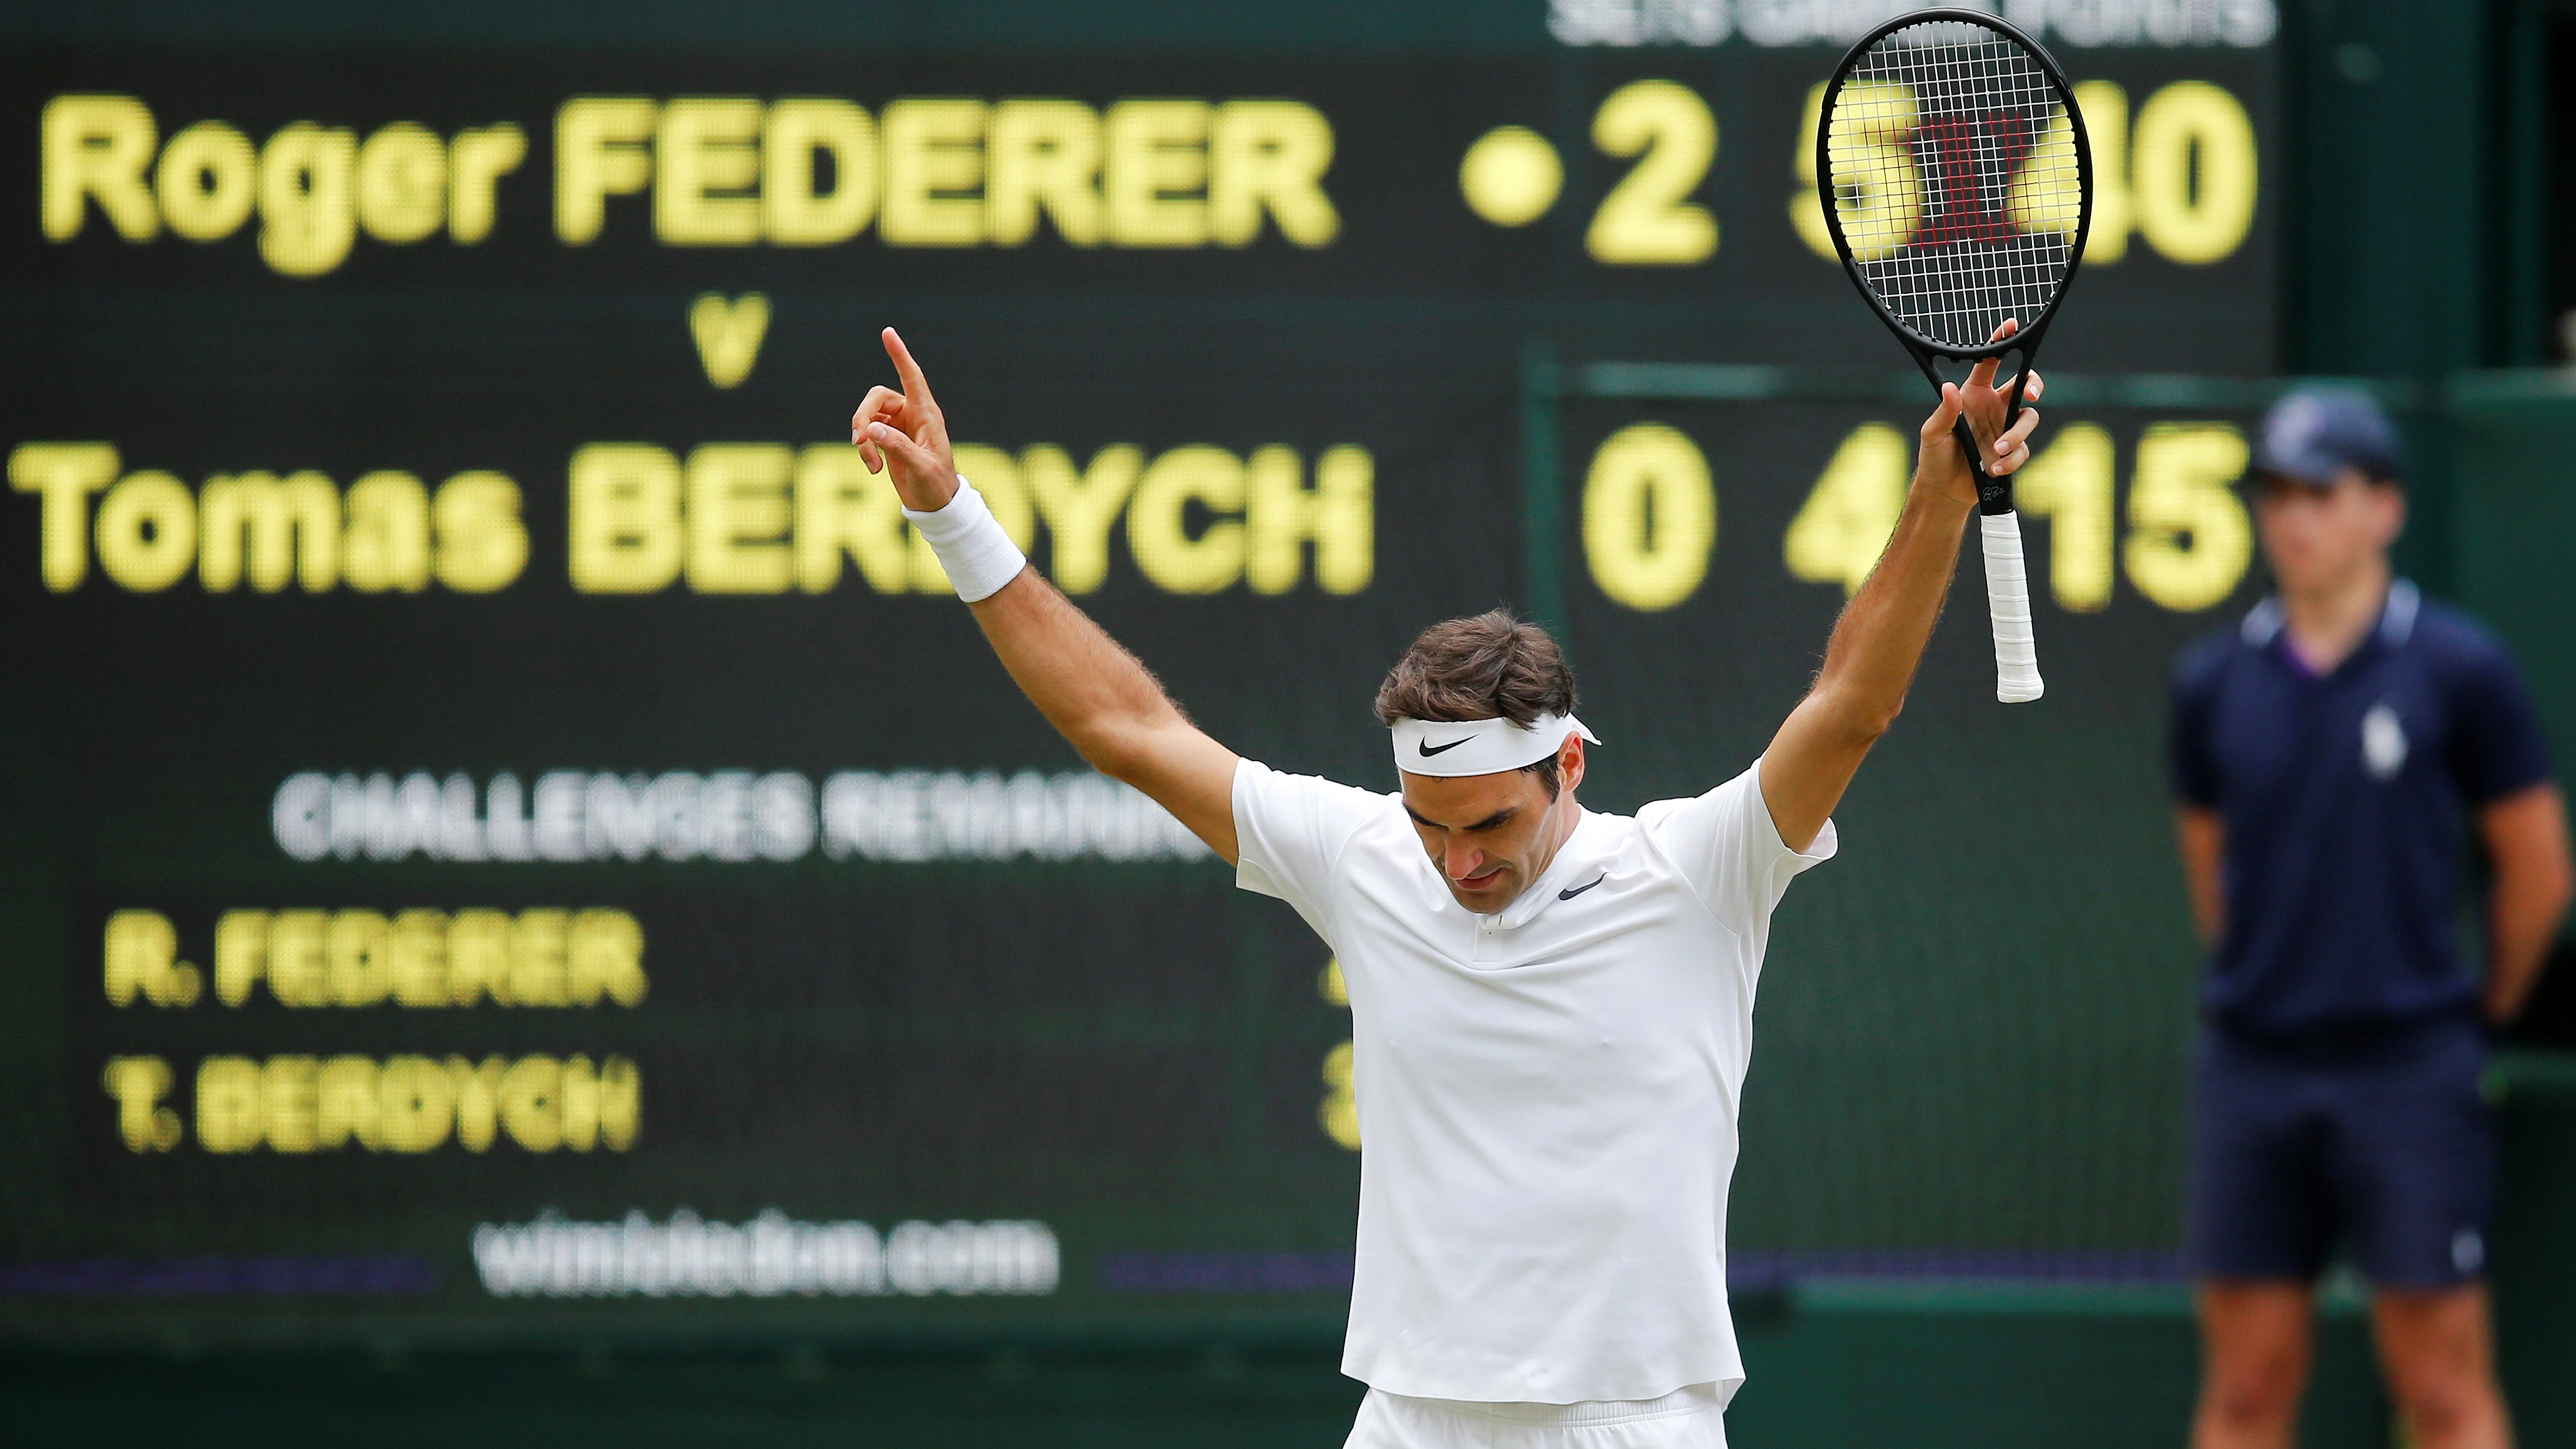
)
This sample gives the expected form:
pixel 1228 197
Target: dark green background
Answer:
pixel 1972 1025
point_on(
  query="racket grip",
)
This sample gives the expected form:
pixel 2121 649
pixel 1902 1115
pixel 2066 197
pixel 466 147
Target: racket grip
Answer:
pixel 2008 602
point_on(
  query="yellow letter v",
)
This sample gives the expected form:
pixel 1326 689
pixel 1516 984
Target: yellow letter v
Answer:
pixel 728 334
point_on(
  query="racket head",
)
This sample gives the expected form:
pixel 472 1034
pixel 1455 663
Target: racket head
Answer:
pixel 1956 179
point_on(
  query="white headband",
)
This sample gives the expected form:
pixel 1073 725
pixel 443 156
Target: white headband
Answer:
pixel 1480 746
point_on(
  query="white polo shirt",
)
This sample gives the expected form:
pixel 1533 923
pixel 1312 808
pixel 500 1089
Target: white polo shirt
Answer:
pixel 1547 1096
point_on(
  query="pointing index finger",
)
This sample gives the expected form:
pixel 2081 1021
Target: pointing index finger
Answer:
pixel 916 388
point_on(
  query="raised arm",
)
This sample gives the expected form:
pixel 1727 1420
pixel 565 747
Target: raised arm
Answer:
pixel 1095 693
pixel 1870 662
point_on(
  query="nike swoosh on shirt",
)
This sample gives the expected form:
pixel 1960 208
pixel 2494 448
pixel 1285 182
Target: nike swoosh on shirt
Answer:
pixel 1567 895
pixel 1429 749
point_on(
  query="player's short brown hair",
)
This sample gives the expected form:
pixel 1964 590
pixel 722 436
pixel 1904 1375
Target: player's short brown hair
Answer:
pixel 1491 666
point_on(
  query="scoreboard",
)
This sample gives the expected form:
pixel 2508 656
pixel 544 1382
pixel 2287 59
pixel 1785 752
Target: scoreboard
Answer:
pixel 508 831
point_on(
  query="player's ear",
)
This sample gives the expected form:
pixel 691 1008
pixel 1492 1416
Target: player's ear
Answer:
pixel 1569 764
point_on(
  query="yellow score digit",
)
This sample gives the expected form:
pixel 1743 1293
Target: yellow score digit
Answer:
pixel 2186 177
pixel 2044 196
pixel 1883 204
pixel 2189 537
pixel 1649 517
pixel 2189 540
pixel 1844 525
pixel 1869 141
pixel 1648 219
pixel 2105 105
pixel 2069 484
pixel 1339 1112
pixel 2193 172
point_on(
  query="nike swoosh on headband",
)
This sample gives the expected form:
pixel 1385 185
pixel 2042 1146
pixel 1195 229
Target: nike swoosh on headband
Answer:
pixel 1568 895
pixel 1480 746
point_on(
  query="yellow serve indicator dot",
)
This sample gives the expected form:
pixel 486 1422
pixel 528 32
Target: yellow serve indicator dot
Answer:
pixel 1511 176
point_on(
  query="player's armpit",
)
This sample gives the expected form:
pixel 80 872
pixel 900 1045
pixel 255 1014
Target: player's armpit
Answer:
pixel 1810 763
pixel 1189 774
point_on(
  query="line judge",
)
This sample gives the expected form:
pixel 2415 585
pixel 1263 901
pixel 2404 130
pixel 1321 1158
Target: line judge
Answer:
pixel 2332 757
pixel 1551 1008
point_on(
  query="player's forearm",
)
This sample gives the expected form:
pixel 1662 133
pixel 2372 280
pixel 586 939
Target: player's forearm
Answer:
pixel 1876 646
pixel 1095 693
pixel 1092 691
pixel 1870 661
pixel 1869 664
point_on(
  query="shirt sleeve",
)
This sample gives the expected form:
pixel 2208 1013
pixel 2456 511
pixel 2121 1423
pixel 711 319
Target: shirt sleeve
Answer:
pixel 2194 763
pixel 1289 830
pixel 2497 745
pixel 1730 850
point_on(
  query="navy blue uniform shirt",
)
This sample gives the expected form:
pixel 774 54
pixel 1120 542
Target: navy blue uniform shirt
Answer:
pixel 2347 801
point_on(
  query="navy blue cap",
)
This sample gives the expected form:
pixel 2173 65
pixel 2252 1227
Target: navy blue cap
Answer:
pixel 2316 433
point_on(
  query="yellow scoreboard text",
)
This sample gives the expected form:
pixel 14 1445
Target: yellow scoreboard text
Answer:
pixel 294 1104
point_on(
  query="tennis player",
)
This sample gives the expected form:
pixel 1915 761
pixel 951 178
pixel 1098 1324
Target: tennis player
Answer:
pixel 1552 1008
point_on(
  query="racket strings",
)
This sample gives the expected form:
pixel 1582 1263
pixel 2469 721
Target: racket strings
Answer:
pixel 1951 162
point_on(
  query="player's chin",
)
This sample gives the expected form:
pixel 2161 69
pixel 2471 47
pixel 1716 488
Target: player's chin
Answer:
pixel 1488 893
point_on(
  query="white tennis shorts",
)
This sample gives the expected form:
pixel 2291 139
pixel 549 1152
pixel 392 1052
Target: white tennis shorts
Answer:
pixel 1690 1418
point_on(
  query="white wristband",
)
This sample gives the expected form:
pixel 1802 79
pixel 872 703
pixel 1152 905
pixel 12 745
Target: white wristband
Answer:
pixel 971 545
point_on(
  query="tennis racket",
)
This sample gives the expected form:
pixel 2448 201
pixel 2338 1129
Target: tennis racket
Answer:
pixel 1957 185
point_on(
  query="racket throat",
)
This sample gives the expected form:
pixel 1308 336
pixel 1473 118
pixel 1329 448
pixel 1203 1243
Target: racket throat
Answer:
pixel 1994 494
